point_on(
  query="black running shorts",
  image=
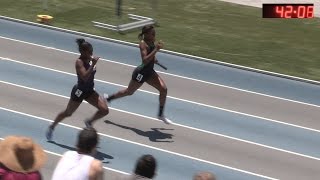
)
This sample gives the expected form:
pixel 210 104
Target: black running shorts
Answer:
pixel 141 76
pixel 79 95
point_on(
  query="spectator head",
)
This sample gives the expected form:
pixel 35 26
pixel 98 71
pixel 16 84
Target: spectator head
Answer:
pixel 204 176
pixel 87 140
pixel 21 154
pixel 146 166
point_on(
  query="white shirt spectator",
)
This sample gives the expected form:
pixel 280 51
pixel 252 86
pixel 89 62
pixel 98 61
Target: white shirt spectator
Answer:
pixel 73 166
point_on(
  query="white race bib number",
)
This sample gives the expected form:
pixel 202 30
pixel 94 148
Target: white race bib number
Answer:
pixel 78 93
pixel 139 77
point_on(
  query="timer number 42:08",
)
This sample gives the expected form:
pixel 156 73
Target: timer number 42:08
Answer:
pixel 290 11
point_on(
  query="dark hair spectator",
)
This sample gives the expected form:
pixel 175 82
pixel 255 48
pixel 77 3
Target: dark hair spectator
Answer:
pixel 81 164
pixel 145 168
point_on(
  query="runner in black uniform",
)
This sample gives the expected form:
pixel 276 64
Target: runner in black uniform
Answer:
pixel 145 72
pixel 84 89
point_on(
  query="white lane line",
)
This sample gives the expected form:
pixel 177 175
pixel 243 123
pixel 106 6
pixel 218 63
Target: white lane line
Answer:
pixel 180 125
pixel 175 98
pixel 183 77
pixel 60 155
pixel 143 145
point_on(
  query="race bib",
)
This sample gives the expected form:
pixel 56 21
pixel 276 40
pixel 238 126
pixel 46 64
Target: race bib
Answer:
pixel 139 77
pixel 78 92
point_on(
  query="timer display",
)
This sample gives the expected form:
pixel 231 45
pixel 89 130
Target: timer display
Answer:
pixel 288 11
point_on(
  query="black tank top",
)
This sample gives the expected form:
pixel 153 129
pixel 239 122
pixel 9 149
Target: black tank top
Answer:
pixel 89 84
pixel 148 68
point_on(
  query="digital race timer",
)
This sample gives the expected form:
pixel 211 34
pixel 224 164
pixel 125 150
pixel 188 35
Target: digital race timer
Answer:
pixel 287 10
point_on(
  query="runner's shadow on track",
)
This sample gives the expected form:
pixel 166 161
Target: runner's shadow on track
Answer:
pixel 99 155
pixel 155 135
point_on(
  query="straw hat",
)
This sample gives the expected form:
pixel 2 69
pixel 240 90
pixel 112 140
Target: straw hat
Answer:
pixel 21 154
